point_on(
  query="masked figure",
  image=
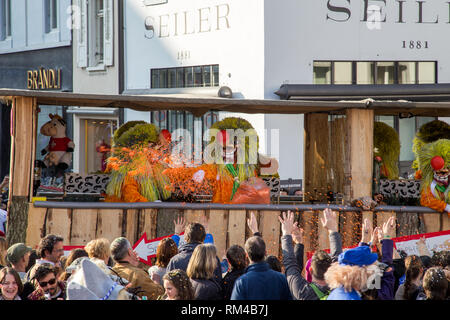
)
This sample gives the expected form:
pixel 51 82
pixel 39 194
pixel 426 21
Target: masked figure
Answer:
pixel 434 160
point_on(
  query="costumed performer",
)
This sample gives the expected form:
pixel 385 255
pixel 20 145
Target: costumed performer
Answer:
pixel 138 158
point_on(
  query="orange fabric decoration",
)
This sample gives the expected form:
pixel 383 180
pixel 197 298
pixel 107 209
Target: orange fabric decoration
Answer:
pixel 427 199
pixel 252 191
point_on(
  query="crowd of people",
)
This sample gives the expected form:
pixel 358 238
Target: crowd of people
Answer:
pixel 373 270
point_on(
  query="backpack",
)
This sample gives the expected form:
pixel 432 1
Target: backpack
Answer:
pixel 321 295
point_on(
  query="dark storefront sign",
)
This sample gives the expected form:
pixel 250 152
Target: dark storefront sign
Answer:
pixel 48 69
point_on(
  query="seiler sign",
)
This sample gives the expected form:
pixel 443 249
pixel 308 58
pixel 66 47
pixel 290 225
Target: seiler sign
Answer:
pixel 202 20
pixel 425 11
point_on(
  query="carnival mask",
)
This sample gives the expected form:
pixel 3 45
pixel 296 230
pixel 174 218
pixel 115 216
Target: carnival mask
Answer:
pixel 441 172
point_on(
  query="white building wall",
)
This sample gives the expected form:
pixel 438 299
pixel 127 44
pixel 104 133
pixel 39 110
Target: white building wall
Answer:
pixel 27 27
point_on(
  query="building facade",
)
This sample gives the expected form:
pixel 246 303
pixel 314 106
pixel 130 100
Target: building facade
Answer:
pixel 253 47
pixel 35 54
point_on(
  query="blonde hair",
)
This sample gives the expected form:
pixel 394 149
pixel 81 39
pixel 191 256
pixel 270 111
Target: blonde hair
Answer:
pixel 3 249
pixel 98 248
pixel 203 262
pixel 349 277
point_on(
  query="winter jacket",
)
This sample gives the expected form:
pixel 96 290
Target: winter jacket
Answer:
pixel 293 263
pixel 139 278
pixel 181 260
pixel 228 282
pixel 206 289
pixel 386 292
pixel 261 283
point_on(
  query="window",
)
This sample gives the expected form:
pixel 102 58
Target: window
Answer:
pixel 385 72
pixel 374 72
pixel 95 35
pixel 51 15
pixel 427 72
pixel 5 19
pixel 172 120
pixel 185 77
pixel 322 72
pixel 365 73
pixel 343 73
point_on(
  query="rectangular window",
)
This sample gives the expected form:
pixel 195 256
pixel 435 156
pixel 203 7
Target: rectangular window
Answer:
pixel 185 77
pixel 343 73
pixel 51 15
pixel 172 78
pixel 322 72
pixel 385 72
pixel 365 73
pixel 5 19
pixel 198 77
pixel 427 72
pixel 406 72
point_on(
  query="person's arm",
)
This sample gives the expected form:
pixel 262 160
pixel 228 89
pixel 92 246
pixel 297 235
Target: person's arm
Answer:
pixel 180 224
pixel 298 286
pixel 422 248
pixel 329 222
pixel 386 291
pixel 253 225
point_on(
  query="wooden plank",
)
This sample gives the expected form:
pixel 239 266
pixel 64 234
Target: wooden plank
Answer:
pixel 132 226
pixel 218 222
pixel 359 153
pixel 408 224
pixel 59 223
pixel 22 143
pixel 337 145
pixel 84 226
pixel 147 223
pixel 109 224
pixel 165 218
pixel 316 157
pixel 351 228
pixel 193 216
pixel 432 222
pixel 445 222
pixel 308 222
pixel 36 218
pixel 236 227
pixel 269 227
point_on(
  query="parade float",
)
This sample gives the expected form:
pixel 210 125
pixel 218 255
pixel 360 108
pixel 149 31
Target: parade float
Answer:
pixel 339 162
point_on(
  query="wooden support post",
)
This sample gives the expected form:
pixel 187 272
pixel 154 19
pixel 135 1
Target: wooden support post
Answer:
pixel 21 167
pixel 358 167
pixel 147 223
pixel 236 227
pixel 316 153
pixel 445 222
pixel 270 229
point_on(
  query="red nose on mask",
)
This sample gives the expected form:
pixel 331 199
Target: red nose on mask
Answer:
pixel 222 137
pixel 437 163
pixel 166 134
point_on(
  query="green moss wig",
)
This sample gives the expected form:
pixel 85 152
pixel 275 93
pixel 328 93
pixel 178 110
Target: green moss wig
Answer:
pixel 387 143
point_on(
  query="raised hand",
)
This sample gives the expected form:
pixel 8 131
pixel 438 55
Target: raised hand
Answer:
pixel 180 223
pixel 330 220
pixel 389 228
pixel 365 233
pixel 297 234
pixel 252 223
pixel 287 223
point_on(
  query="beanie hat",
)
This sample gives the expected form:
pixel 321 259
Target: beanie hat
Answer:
pixel 359 256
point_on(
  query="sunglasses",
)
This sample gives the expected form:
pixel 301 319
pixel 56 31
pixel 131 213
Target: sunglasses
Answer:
pixel 51 282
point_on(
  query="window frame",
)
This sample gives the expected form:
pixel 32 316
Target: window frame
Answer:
pixel 6 20
pixel 188 71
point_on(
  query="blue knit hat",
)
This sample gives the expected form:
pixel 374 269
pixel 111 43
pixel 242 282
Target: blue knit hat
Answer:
pixel 359 256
